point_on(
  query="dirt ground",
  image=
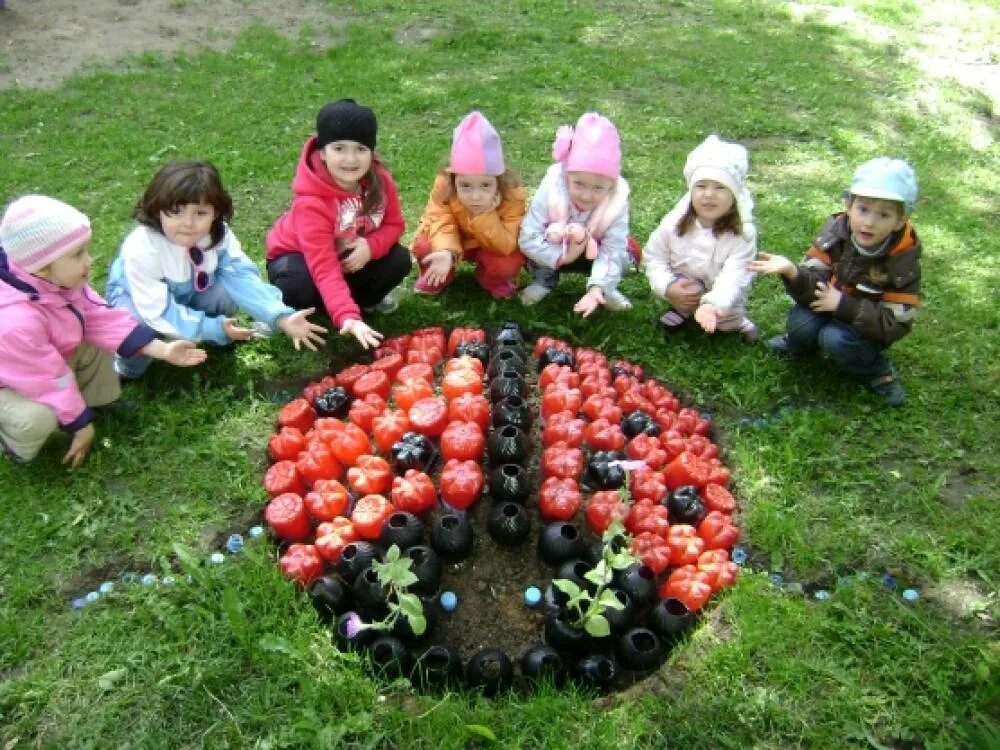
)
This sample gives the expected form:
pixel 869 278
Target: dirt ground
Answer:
pixel 42 42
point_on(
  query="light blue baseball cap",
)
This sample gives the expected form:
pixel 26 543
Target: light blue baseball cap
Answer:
pixel 888 179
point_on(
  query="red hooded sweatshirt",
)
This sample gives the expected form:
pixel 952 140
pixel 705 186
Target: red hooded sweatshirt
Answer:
pixel 321 213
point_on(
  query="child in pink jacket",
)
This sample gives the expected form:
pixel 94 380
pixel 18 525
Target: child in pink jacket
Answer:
pixel 337 247
pixel 57 334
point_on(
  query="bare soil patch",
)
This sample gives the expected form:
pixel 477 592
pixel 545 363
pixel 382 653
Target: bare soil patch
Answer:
pixel 43 43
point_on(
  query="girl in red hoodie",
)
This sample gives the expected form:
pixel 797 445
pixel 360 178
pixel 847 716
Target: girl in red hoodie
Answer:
pixel 337 247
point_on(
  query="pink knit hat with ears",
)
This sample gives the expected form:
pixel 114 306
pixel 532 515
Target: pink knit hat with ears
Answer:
pixel 36 230
pixel 593 146
pixel 475 147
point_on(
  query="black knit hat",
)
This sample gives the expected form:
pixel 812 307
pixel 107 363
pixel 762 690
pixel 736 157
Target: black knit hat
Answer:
pixel 346 120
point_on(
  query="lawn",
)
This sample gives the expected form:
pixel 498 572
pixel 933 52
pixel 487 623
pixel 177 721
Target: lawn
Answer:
pixel 835 490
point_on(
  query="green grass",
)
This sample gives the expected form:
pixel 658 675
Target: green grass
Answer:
pixel 236 658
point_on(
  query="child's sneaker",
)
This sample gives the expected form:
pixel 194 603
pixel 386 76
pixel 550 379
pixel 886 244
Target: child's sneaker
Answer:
pixel 260 330
pixel 749 331
pixel 615 300
pixel 500 289
pixel 420 286
pixel 672 320
pixel 889 388
pixel 534 293
pixel 780 345
pixel 386 305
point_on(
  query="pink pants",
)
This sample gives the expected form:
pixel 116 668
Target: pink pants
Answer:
pixel 492 269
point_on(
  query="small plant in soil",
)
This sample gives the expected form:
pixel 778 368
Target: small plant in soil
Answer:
pixel 395 577
pixel 586 607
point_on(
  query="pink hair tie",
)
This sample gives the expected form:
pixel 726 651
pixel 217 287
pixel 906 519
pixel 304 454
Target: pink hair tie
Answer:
pixel 562 143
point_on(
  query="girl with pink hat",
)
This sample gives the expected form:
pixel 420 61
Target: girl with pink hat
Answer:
pixel 56 333
pixel 578 218
pixel 474 213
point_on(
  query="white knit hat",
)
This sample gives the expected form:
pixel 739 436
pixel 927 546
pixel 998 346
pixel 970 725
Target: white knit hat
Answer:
pixel 36 230
pixel 726 163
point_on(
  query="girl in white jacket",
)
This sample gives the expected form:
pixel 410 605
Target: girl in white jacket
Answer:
pixel 697 257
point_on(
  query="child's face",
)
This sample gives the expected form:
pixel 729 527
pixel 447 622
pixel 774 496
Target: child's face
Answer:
pixel 186 225
pixel 711 201
pixel 477 192
pixel 588 189
pixel 347 162
pixel 873 219
pixel 71 271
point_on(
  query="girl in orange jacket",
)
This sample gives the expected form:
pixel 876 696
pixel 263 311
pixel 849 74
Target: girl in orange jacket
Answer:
pixel 474 213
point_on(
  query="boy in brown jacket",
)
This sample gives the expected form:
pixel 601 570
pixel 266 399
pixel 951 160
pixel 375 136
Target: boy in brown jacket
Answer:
pixel 858 289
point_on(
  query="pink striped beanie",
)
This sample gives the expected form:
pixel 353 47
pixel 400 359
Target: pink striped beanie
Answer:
pixel 36 230
pixel 475 147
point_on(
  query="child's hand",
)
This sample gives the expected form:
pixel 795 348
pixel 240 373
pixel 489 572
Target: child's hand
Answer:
pixel 80 446
pixel 183 353
pixel 368 337
pixel 572 251
pixel 827 298
pixel 358 254
pixel 301 330
pixel 685 294
pixel 579 241
pixel 707 317
pixel 437 266
pixel 494 204
pixel 589 302
pixel 576 232
pixel 767 263
pixel 555 232
pixel 179 352
pixel 234 332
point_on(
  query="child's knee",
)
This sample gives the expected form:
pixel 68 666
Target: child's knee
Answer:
pixel 26 429
pixel 498 266
pixel 421 247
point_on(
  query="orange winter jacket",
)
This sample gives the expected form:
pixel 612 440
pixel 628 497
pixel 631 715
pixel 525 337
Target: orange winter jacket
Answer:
pixel 448 226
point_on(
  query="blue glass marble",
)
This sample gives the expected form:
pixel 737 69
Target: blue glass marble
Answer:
pixel 532 596
pixel 234 543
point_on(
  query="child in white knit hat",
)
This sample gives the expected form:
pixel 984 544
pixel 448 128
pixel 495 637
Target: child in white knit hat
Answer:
pixel 57 334
pixel 697 257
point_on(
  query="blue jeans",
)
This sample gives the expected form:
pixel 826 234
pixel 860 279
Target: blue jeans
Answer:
pixel 214 301
pixel 850 351
pixel 549 277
